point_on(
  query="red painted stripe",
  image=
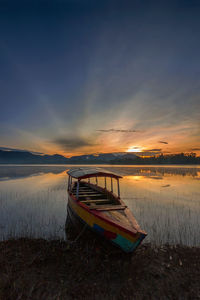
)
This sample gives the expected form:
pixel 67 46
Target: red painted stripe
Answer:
pixel 109 235
pixel 96 214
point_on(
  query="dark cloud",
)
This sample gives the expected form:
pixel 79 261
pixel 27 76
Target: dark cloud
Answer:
pixel 153 150
pixel 72 143
pixel 195 149
pixel 163 142
pixel 167 185
pixel 117 130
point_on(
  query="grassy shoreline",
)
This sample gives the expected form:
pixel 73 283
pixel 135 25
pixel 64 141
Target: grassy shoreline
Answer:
pixel 42 269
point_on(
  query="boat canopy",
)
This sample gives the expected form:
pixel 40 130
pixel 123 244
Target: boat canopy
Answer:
pixel 82 173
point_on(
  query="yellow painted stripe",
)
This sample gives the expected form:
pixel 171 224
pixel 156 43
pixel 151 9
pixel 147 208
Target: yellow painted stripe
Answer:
pixel 90 219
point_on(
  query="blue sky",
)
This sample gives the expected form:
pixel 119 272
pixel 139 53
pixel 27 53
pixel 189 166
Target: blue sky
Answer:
pixel 70 69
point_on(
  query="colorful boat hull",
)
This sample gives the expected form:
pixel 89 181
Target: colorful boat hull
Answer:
pixel 122 237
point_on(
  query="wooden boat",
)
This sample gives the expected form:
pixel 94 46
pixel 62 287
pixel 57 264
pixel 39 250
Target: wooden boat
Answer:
pixel 101 210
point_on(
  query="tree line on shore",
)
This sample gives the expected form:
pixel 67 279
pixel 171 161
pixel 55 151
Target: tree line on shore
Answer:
pixel 181 158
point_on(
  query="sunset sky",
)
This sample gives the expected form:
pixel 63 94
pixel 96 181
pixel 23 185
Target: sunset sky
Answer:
pixel 81 77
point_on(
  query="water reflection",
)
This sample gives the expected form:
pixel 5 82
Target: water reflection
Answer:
pixel 157 172
pixel 13 172
pixel 33 206
pixel 164 200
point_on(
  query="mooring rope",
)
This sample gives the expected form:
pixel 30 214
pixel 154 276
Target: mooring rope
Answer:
pixel 78 236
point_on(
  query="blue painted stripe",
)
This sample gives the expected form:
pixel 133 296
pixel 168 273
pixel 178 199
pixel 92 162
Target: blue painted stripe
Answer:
pixel 127 245
pixel 98 228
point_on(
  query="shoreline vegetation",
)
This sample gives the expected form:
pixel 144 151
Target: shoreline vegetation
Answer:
pixel 44 269
pixel 34 269
pixel 17 157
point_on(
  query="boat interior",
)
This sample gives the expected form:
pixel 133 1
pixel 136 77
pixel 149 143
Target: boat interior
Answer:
pixel 94 196
pixel 98 198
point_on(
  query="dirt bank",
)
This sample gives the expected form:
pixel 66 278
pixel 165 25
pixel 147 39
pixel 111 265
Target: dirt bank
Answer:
pixel 40 269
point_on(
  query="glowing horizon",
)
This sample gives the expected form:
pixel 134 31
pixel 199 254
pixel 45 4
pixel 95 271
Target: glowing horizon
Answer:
pixel 134 149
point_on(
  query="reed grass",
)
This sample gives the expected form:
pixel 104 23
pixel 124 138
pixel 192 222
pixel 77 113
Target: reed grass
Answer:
pixel 39 215
pixel 42 214
pixel 167 223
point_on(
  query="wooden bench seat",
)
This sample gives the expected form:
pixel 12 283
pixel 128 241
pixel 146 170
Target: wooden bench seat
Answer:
pixel 80 193
pixel 84 190
pixel 108 207
pixel 87 195
pixel 94 201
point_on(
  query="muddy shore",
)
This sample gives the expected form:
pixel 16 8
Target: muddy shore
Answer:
pixel 41 269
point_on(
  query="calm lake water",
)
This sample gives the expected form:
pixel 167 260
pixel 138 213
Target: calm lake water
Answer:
pixel 164 199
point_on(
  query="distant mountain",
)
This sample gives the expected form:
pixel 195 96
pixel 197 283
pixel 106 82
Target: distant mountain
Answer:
pixel 18 150
pixel 26 157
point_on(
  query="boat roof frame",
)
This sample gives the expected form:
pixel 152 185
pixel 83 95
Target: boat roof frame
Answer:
pixel 82 173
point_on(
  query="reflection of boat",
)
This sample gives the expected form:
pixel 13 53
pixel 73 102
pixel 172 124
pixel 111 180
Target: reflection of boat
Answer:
pixel 101 210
